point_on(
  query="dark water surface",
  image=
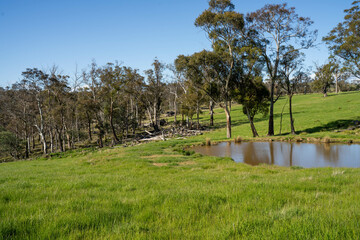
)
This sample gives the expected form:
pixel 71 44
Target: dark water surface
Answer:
pixel 306 155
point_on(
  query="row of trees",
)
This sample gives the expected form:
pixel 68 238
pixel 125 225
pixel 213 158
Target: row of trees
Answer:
pixel 267 42
pixel 255 59
pixel 109 100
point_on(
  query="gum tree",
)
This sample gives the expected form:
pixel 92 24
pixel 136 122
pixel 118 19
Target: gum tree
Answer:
pixel 344 40
pixel 223 26
pixel 279 26
pixel 291 74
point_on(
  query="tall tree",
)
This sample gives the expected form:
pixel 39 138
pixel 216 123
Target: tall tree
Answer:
pixel 37 81
pixel 290 73
pixel 279 26
pixel 223 26
pixel 155 92
pixel 323 78
pixel 113 82
pixel 92 80
pixel 344 39
pixel 340 72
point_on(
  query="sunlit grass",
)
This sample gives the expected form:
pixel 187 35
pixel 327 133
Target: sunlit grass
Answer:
pixel 160 191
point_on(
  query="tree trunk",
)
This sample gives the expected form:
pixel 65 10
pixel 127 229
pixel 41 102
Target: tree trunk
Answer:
pixel 41 127
pixel 281 116
pixel 251 120
pixel 60 140
pixel 100 141
pixel 51 140
pixel 77 127
pixel 175 111
pixel 336 85
pixel 325 92
pixel 291 116
pixel 100 127
pixel 228 120
pixel 27 147
pixel 44 145
pixel 68 138
pixel 89 126
pixel 33 140
pixel 116 139
pixel 271 115
pixel 211 108
pixel 197 115
pixel 156 119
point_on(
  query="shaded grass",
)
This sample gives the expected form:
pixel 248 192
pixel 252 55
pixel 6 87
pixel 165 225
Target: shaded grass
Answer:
pixel 118 193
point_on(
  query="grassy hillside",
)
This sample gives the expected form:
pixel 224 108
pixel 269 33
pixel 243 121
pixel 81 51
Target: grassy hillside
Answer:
pixel 159 191
pixel 315 116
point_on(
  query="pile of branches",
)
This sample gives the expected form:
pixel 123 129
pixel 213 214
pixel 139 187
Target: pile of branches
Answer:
pixel 173 132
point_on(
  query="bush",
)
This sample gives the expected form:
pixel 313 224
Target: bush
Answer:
pixel 10 144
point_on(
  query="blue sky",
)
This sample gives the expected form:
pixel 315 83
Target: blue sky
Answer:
pixel 41 33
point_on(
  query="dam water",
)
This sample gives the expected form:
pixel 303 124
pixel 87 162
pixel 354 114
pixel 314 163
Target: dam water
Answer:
pixel 307 155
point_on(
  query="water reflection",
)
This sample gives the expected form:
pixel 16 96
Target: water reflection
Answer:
pixel 287 154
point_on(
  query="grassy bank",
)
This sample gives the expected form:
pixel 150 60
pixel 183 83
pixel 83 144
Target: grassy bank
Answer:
pixel 315 117
pixel 159 191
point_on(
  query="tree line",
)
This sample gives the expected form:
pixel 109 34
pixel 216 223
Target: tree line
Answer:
pixel 255 58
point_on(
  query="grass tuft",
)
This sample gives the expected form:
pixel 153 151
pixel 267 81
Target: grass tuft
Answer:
pixel 238 139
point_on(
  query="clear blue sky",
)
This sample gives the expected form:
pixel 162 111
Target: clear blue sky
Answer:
pixel 40 33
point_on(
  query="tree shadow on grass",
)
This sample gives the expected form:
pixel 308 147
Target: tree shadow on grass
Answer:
pixel 331 126
pixel 237 121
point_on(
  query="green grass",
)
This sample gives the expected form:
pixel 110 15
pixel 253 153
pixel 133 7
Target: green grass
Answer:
pixel 159 191
pixel 315 117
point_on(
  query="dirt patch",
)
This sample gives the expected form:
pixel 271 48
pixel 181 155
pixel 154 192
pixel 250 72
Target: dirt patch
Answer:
pixel 160 164
pixel 160 155
pixel 186 163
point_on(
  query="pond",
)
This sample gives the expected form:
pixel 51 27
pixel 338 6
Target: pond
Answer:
pixel 307 155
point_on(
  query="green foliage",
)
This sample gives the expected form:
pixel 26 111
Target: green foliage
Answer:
pixel 323 79
pixel 10 144
pixel 344 39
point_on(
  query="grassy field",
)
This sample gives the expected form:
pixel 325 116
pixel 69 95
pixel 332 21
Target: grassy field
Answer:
pixel 159 191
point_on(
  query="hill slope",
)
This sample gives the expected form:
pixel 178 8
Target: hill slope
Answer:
pixel 158 190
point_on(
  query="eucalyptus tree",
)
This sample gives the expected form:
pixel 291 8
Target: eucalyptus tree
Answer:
pixel 254 97
pixel 18 106
pixel 95 101
pixel 134 89
pixel 86 110
pixel 176 88
pixel 324 78
pixel 58 105
pixel 278 27
pixel 339 71
pixel 291 74
pixel 344 40
pixel 201 71
pixel 37 81
pixel 154 92
pixel 111 76
pixel 249 89
pixel 223 26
